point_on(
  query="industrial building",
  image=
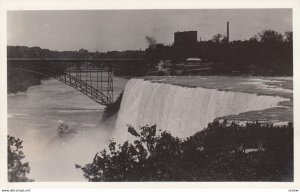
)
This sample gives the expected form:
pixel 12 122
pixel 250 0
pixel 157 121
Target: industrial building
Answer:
pixel 185 38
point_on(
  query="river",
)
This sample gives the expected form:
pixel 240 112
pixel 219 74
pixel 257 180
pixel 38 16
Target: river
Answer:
pixel 33 117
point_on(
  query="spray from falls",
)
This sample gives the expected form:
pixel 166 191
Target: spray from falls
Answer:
pixel 182 111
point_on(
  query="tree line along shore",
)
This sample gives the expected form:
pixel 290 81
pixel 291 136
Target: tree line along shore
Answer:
pixel 267 53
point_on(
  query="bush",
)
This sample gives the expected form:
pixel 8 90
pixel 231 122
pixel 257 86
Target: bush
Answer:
pixel 253 152
pixel 16 169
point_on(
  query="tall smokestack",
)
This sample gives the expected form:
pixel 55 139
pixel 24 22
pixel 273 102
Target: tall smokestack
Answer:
pixel 227 32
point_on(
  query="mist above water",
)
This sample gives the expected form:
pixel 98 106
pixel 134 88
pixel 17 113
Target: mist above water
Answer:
pixel 34 118
pixel 53 159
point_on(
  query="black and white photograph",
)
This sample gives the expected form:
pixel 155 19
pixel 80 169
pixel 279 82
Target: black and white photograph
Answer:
pixel 150 95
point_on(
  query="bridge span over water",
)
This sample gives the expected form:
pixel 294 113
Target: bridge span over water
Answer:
pixel 92 77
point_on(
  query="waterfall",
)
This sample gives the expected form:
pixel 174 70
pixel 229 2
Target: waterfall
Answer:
pixel 181 110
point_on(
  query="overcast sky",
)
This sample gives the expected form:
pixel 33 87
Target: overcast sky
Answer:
pixel 103 30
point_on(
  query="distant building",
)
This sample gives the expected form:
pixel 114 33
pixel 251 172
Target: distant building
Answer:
pixel 192 61
pixel 185 38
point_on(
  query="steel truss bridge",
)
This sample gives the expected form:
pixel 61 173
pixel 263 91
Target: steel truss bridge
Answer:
pixel 92 77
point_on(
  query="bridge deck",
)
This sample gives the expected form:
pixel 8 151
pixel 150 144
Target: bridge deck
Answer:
pixel 70 59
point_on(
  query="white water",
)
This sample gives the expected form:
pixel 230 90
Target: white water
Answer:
pixel 182 111
pixel 33 117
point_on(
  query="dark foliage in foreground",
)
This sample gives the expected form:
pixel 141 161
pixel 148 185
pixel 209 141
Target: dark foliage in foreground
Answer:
pixel 112 108
pixel 254 152
pixel 16 169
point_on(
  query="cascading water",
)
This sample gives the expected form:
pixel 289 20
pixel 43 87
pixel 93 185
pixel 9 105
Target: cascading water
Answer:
pixel 181 110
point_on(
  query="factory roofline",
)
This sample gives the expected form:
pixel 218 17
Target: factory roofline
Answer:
pixel 184 31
